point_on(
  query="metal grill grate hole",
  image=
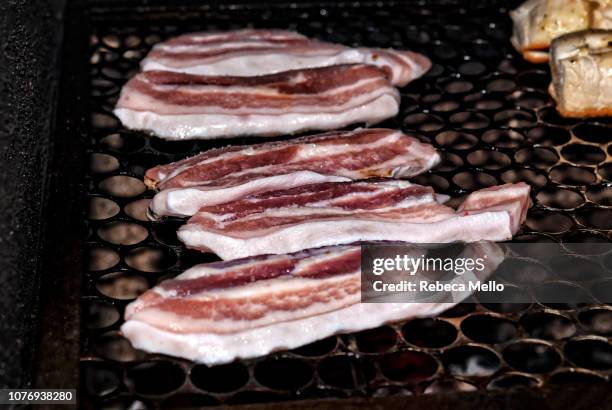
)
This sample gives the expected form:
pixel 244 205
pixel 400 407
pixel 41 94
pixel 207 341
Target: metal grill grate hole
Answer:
pixel 155 377
pixel 97 314
pixel 597 320
pixel 429 332
pixel 283 373
pixel 532 356
pixel 486 328
pixel 471 360
pixel 591 353
pixel 220 379
pixel 576 376
pixel 548 325
pixel 377 340
pixel 408 366
pixel 113 346
pixel 513 380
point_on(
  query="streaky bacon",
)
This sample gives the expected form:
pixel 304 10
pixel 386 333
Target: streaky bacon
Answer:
pixel 215 313
pixel 254 52
pixel 343 213
pixel 186 106
pixel 229 173
pixel 330 276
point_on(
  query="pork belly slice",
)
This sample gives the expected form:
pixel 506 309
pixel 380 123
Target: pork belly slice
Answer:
pixel 581 68
pixel 538 22
pixel 178 106
pixel 258 52
pixel 343 213
pixel 215 313
pixel 229 173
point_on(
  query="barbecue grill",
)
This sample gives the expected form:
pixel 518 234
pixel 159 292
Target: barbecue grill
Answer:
pixel 481 105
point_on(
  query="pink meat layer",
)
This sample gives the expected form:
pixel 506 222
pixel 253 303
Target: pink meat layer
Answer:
pixel 215 313
pixel 258 52
pixel 343 213
pixel 183 106
pixel 229 173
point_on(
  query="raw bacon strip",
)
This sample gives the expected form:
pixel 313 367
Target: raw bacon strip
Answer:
pixel 361 153
pixel 301 218
pixel 259 52
pixel 321 280
pixel 229 173
pixel 184 106
pixel 331 197
pixel 215 313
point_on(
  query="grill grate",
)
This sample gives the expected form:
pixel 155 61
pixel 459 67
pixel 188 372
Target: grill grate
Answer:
pixel 481 105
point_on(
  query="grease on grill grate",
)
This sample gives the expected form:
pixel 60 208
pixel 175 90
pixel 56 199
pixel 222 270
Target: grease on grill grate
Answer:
pixel 483 107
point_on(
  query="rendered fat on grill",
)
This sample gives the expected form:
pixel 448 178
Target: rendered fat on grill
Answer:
pixel 178 106
pixel 538 22
pixel 581 68
pixel 225 174
pixel 215 313
pixel 254 52
pixel 343 213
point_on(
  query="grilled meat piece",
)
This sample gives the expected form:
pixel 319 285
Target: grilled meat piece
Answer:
pixel 581 68
pixel 538 22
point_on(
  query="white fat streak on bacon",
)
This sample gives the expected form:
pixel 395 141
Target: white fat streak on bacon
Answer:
pixel 251 53
pixel 183 202
pixel 492 214
pixel 306 151
pixel 511 198
pixel 214 46
pixel 314 151
pixel 332 206
pixel 210 126
pixel 134 100
pixel 485 226
pixel 305 258
pixel 329 293
pixel 347 222
pixel 362 193
pixel 231 39
pixel 213 349
pixel 409 164
pixel 278 287
pixel 259 61
pixel 243 34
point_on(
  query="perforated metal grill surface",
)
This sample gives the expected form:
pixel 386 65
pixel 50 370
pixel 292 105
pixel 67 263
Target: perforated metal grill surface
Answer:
pixel 481 105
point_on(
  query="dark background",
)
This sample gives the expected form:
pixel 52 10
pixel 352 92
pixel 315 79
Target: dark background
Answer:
pixel 30 34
